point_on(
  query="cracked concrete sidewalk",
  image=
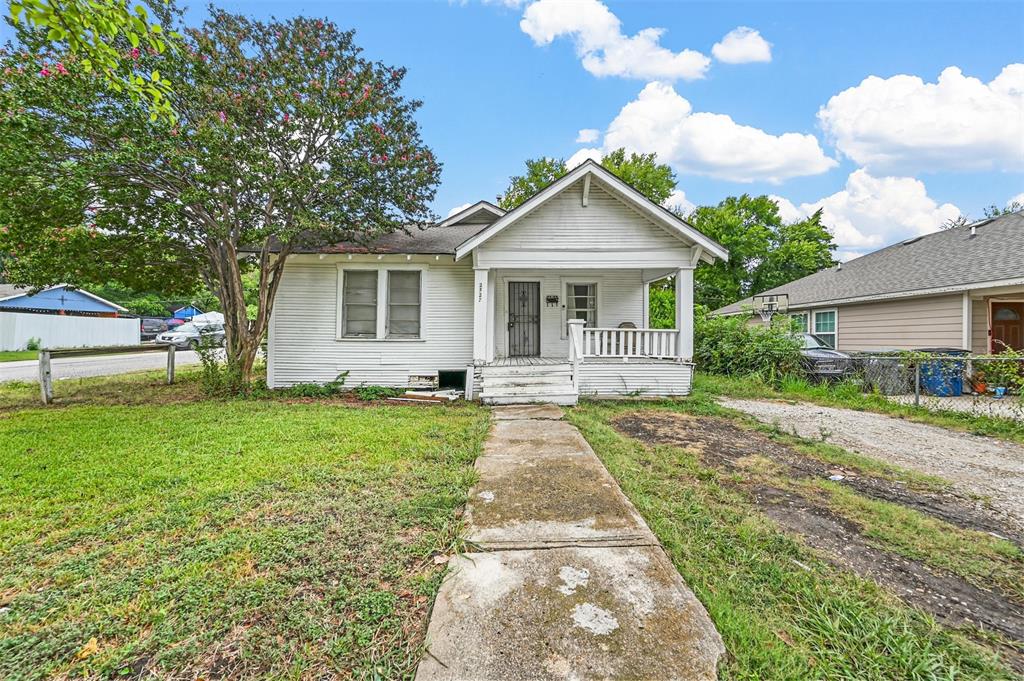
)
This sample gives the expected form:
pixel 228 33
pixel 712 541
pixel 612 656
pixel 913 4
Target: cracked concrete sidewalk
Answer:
pixel 565 580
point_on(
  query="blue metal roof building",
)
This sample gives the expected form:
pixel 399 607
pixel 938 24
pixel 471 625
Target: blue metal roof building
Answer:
pixel 61 300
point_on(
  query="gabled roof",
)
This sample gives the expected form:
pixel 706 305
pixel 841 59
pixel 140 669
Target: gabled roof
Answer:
pixel 658 214
pixel 985 253
pixel 42 301
pixel 480 213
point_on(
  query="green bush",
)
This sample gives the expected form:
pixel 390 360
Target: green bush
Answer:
pixel 731 346
pixel 376 392
pixel 329 389
pixel 34 344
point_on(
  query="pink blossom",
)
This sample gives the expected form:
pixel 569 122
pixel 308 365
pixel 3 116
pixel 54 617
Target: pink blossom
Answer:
pixel 287 118
pixel 60 69
pixel 222 116
pixel 134 53
pixel 45 72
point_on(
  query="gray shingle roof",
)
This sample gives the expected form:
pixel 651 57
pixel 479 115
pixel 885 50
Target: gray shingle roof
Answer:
pixel 434 240
pixel 944 259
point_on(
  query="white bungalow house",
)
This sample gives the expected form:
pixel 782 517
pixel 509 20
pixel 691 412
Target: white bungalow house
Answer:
pixel 540 304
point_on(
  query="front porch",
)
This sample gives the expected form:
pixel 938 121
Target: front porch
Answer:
pixel 552 335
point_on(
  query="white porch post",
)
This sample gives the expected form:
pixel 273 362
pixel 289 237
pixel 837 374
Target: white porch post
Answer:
pixel 481 302
pixel 684 313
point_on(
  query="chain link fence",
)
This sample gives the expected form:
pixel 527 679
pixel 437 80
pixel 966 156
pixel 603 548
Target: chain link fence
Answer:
pixel 991 385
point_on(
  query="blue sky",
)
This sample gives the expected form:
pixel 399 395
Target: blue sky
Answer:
pixel 502 81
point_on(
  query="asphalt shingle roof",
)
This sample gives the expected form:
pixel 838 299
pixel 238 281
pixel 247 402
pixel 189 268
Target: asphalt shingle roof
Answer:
pixel 434 240
pixel 952 257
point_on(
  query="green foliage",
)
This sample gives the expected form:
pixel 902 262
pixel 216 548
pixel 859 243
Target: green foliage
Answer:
pixel 654 180
pixel 376 392
pixel 329 389
pixel 107 37
pixel 1006 370
pixel 763 252
pixel 540 172
pixel 994 211
pixel 286 138
pixel 34 344
pixel 662 303
pixel 731 346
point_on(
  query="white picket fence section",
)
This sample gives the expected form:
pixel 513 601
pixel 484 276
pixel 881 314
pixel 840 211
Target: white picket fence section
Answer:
pixel 65 331
pixel 659 343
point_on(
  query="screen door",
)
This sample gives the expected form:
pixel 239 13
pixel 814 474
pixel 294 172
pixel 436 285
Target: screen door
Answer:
pixel 523 319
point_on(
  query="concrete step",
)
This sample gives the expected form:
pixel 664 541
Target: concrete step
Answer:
pixel 526 380
pixel 548 389
pixel 565 400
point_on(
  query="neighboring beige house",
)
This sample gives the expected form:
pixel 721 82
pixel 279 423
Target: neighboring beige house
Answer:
pixel 541 303
pixel 959 288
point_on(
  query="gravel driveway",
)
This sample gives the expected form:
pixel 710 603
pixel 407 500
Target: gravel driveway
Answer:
pixel 975 465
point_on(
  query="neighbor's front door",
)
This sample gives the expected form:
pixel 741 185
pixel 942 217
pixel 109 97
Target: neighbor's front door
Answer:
pixel 1007 326
pixel 523 319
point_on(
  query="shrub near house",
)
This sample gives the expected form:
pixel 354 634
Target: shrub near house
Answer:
pixel 728 345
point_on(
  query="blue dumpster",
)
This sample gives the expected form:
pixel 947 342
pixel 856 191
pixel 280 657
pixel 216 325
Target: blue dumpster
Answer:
pixel 943 377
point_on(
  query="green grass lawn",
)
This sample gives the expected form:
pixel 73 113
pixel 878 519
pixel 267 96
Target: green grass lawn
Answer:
pixel 783 612
pixel 145 530
pixel 17 355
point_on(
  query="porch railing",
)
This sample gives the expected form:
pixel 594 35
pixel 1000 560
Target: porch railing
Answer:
pixel 626 343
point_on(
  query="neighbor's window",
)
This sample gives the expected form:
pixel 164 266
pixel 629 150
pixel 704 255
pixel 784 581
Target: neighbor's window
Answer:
pixel 359 304
pixel 403 304
pixel 825 326
pixel 581 303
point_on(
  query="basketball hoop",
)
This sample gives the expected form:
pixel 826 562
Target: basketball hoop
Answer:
pixel 769 306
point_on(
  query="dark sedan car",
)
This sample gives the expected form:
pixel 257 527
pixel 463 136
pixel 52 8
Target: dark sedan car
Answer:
pixel 151 327
pixel 822 362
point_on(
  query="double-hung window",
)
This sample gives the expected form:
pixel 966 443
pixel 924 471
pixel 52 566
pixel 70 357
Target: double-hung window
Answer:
pixel 359 304
pixel 381 304
pixel 403 320
pixel 825 326
pixel 581 303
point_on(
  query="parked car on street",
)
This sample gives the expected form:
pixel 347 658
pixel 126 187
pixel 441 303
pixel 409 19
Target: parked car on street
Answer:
pixel 191 336
pixel 151 327
pixel 820 361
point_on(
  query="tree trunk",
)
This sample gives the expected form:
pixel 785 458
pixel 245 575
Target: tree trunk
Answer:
pixel 242 336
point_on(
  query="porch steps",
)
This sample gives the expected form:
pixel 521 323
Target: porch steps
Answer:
pixel 527 384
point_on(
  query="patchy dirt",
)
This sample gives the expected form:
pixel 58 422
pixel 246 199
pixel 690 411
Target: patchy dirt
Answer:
pixel 722 444
pixel 981 466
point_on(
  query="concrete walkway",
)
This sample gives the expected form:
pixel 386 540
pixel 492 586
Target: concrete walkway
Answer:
pixel 565 580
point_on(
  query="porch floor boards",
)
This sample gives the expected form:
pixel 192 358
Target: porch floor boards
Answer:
pixel 527 361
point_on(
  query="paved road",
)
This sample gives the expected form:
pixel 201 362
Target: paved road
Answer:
pixel 102 365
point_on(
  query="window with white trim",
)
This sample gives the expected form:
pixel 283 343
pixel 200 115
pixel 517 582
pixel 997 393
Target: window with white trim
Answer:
pixel 800 320
pixel 581 303
pixel 403 320
pixel 825 326
pixel 359 304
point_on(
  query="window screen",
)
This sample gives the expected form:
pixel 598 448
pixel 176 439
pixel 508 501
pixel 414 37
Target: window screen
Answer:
pixel 825 327
pixel 359 304
pixel 403 304
pixel 581 303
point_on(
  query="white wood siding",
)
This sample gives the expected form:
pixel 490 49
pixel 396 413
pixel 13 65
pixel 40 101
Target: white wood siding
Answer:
pixel 563 221
pixel 620 298
pixel 303 346
pixel 926 322
pixel 662 379
pixel 979 326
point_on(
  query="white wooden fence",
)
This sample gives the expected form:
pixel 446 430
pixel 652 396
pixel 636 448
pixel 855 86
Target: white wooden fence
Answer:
pixel 626 343
pixel 65 331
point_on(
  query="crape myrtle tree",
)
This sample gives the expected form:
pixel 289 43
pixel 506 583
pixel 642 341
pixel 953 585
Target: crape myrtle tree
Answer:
pixel 284 138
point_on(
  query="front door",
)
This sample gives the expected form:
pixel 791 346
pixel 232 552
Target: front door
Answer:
pixel 523 319
pixel 1007 326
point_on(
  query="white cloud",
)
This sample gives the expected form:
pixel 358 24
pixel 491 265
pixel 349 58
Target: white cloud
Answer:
pixel 742 45
pixel 678 202
pixel 603 48
pixel 581 156
pixel 587 136
pixel 659 120
pixel 459 209
pixel 872 212
pixel 902 124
